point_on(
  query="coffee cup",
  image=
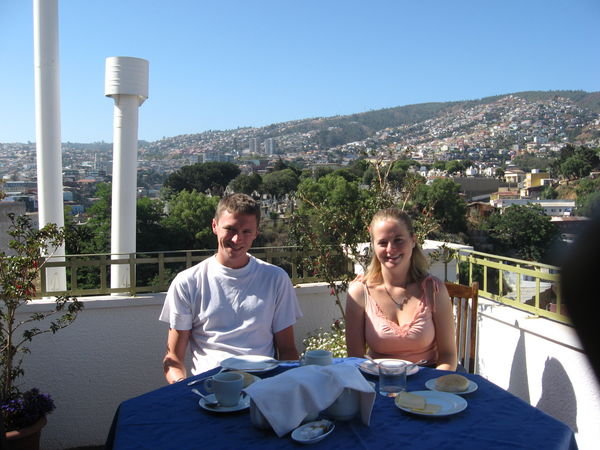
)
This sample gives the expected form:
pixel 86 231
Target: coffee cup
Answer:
pixel 346 406
pixel 317 357
pixel 226 386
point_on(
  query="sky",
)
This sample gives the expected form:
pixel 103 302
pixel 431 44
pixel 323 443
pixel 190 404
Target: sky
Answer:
pixel 224 64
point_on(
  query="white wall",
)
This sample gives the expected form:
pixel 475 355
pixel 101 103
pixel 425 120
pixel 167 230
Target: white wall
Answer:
pixel 541 362
pixel 114 352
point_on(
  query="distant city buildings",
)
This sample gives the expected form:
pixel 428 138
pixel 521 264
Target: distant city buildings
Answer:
pixel 269 146
pixel 489 134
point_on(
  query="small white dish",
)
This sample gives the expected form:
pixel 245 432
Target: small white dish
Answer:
pixel 430 384
pixel 370 367
pixel 313 432
pixel 250 363
pixel 449 403
pixel 244 403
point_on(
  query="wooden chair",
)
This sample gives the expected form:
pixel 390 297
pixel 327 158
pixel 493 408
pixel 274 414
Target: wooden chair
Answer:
pixel 464 305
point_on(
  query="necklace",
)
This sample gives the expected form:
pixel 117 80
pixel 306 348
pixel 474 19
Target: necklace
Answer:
pixel 400 303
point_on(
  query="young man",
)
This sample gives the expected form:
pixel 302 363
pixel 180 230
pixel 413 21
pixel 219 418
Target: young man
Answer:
pixel 231 303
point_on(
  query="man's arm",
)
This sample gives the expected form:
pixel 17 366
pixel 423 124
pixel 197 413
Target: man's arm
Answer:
pixel 174 361
pixel 285 345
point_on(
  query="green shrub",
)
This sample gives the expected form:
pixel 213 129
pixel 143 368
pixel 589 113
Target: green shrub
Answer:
pixel 334 340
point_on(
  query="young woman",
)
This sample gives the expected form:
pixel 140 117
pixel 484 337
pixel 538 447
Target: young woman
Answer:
pixel 398 310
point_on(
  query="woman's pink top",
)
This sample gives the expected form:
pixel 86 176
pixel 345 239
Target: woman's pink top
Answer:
pixel 412 340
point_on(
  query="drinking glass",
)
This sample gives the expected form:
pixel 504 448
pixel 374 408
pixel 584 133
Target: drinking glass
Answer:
pixel 392 377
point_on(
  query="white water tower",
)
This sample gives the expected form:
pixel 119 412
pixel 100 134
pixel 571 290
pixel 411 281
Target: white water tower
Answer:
pixel 126 82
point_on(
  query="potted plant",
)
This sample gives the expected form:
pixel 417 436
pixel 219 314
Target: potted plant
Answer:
pixel 29 249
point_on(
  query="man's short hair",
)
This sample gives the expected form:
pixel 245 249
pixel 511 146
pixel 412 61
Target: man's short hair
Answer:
pixel 238 204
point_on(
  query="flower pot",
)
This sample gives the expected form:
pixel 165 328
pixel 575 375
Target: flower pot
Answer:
pixel 27 438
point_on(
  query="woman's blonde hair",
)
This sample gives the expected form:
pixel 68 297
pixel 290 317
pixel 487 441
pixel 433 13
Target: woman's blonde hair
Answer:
pixel 419 265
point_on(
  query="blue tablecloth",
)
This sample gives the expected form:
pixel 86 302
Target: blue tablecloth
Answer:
pixel 170 418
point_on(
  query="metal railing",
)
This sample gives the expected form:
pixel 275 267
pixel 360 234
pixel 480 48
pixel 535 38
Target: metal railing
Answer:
pixel 526 285
pixel 89 274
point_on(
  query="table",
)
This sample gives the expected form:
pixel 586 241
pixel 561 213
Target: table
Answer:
pixel 170 418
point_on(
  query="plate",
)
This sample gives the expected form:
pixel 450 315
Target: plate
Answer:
pixel 243 404
pixel 449 403
pixel 250 363
pixel 430 384
pixel 313 432
pixel 368 366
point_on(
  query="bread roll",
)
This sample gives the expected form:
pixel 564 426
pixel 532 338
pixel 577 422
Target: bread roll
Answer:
pixel 452 383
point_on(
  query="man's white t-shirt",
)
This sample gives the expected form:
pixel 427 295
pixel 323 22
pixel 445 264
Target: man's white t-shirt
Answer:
pixel 230 311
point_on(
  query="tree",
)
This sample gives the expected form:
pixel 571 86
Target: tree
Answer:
pixel 332 214
pixel 188 224
pixel 280 164
pixel 549 192
pixel 589 205
pixel 316 172
pixel 148 178
pixel 398 173
pixel 575 162
pixel 246 184
pixel 523 231
pixel 455 166
pixel 337 195
pixel 529 161
pixel 92 237
pixel 394 174
pixel 587 196
pixel 76 235
pixel 358 167
pixel 202 177
pixel 95 238
pixel 575 167
pixel 449 208
pixel 149 230
pixel 280 183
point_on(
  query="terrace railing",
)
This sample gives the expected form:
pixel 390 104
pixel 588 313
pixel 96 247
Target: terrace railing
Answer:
pixel 526 285
pixel 89 274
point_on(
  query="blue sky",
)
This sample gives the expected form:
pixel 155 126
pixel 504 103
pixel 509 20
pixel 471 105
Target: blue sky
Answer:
pixel 225 64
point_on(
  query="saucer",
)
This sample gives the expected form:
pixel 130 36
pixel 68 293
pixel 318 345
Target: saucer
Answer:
pixel 313 432
pixel 244 403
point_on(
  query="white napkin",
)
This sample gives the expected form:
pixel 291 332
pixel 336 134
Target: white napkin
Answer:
pixel 286 399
